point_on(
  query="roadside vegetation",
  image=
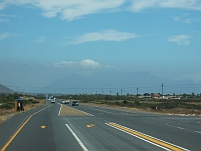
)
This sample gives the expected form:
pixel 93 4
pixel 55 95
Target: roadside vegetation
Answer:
pixel 7 104
pixel 183 104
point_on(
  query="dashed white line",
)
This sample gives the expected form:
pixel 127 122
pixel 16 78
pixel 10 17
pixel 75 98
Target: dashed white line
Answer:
pixel 180 128
pixel 198 132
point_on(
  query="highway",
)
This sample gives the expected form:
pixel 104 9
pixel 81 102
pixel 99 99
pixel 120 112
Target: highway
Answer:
pixel 98 129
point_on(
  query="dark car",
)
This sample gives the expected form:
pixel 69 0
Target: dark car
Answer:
pixel 75 103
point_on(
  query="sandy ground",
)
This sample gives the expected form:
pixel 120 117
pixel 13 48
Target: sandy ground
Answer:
pixel 6 114
pixel 69 111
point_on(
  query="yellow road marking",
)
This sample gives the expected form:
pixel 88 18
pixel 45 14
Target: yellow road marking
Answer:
pixel 12 138
pixel 43 126
pixel 90 125
pixel 146 137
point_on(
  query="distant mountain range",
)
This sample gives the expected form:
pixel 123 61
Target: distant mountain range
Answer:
pixel 6 90
pixel 119 82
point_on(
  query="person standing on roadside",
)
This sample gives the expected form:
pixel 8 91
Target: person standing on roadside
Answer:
pixel 21 107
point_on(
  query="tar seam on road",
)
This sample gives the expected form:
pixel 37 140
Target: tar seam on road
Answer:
pixel 147 138
pixel 78 140
pixel 12 138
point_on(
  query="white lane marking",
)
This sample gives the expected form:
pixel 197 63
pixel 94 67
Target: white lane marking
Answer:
pixel 138 137
pixel 180 128
pixel 168 124
pixel 146 139
pixel 198 132
pixel 77 139
pixel 60 110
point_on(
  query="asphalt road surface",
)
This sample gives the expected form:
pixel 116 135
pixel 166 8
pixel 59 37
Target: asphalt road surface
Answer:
pixel 93 128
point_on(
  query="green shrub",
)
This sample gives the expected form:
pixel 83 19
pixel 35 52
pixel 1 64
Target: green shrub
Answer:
pixel 125 102
pixel 136 102
pixel 34 102
pixel 7 106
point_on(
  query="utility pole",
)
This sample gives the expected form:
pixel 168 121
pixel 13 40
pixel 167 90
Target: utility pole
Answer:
pixel 121 92
pixel 137 90
pixel 162 90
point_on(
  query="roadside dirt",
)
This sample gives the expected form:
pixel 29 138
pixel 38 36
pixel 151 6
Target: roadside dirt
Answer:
pixel 6 114
pixel 69 111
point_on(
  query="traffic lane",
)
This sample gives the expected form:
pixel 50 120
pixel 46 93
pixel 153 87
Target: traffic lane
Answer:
pixel 96 110
pixel 34 137
pixel 9 127
pixel 96 135
pixel 153 125
pixel 140 136
pixel 180 122
pixel 190 123
pixel 63 138
pixel 40 133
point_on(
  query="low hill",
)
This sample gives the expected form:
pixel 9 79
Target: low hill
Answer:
pixel 4 89
pixel 118 82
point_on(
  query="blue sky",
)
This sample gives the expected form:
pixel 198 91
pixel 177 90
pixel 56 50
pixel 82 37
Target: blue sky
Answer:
pixel 44 40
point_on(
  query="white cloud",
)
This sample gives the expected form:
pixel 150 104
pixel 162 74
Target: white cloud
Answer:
pixel 70 10
pixel 184 18
pixel 66 64
pixel 89 64
pixel 107 35
pixel 138 5
pixel 40 40
pixel 4 35
pixel 7 35
pixel 84 64
pixel 180 39
pixel 4 20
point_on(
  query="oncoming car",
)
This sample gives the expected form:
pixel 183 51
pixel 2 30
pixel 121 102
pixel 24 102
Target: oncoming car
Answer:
pixel 53 100
pixel 64 101
pixel 75 103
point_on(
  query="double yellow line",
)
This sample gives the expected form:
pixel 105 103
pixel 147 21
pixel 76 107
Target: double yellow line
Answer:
pixel 12 138
pixel 147 138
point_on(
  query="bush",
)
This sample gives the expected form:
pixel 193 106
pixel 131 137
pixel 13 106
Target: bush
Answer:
pixel 125 102
pixel 7 106
pixel 85 101
pixel 136 102
pixel 34 102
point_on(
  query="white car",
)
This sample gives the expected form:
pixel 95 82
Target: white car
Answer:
pixel 64 101
pixel 53 100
